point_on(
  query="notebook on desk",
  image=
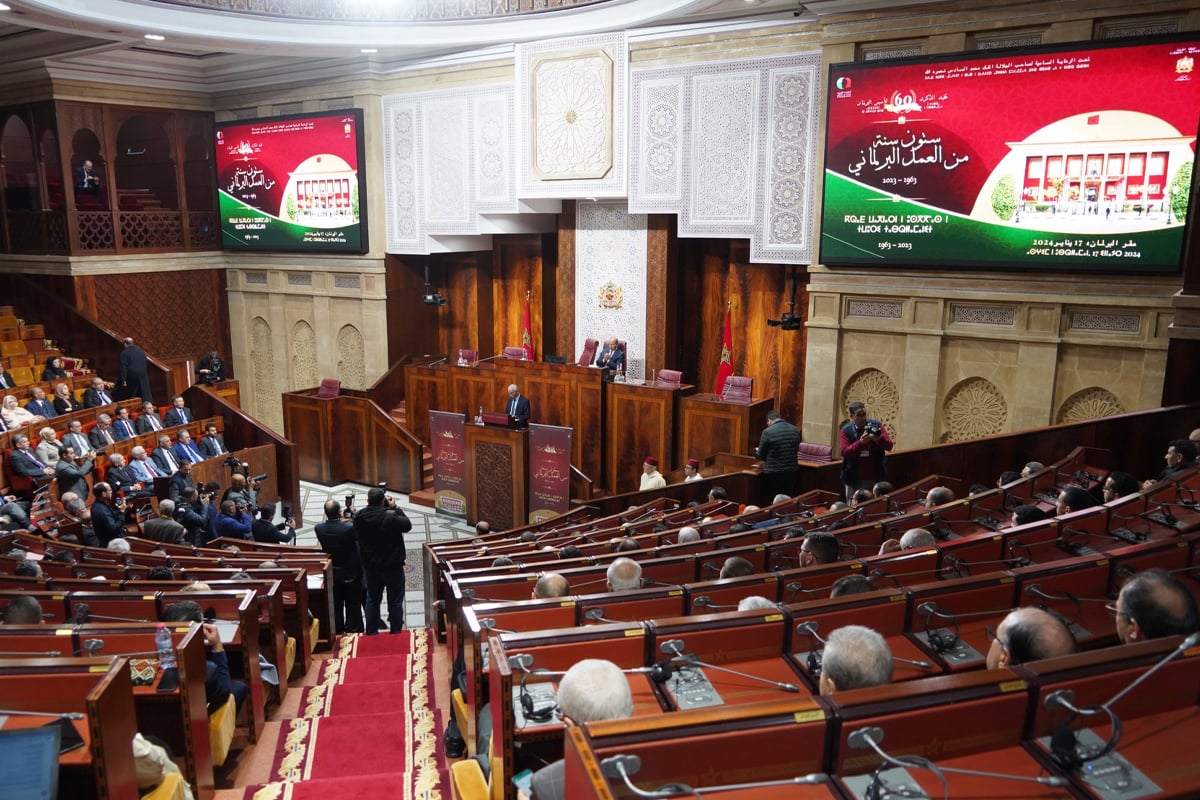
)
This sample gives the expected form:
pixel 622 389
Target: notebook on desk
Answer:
pixel 498 418
pixel 29 762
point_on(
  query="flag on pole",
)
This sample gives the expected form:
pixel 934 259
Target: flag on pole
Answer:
pixel 725 368
pixel 527 336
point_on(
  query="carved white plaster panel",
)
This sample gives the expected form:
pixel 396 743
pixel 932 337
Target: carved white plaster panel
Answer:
pixel 656 174
pixel 571 110
pixel 973 409
pixel 304 356
pixel 347 282
pixel 1004 316
pixel 881 309
pixel 447 165
pixel 401 187
pixel 351 365
pixel 257 278
pixel 610 275
pixel 299 279
pixel 495 189
pixel 723 150
pixel 1090 403
pixel 735 142
pixel 262 378
pixel 1107 321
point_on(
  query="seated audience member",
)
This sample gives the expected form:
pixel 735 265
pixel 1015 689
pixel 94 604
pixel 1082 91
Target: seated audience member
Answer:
pixel 123 480
pixel 855 657
pixel 164 456
pixel 502 561
pixel 98 394
pixel 164 528
pixel 626 545
pixel 1153 604
pixel 1074 498
pixel 108 514
pixel 232 521
pixel 15 416
pixel 756 602
pixel 691 470
pixel 914 539
pixel 178 413
pixel 142 468
pixel 688 534
pixel 736 567
pixel 263 529
pixel 38 403
pixel 102 435
pixel 53 370
pixel 718 493
pixel 122 425
pixel 1007 477
pixel 1032 468
pixel 570 551
pixel 6 380
pixel 851 584
pixel 591 690
pixel 1023 515
pixel 218 685
pixel 977 489
pixel 26 568
pixel 119 545
pixel 861 496
pixel 882 488
pixel 624 574
pixel 149 421
pixel 651 477
pixel 1118 485
pixel 75 437
pixel 212 444
pixel 47 450
pixel 160 573
pixel 23 461
pixel 1029 634
pixel 64 402
pixel 1180 457
pixel 152 764
pixel 550 584
pixel 611 358
pixel 186 450
pixel 938 496
pixel 72 475
pixel 837 505
pixel 819 547
pixel 23 610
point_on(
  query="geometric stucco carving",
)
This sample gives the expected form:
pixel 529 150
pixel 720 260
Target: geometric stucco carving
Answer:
pixel 352 369
pixel 973 408
pixel 1090 403
pixel 879 393
pixel 262 361
pixel 304 356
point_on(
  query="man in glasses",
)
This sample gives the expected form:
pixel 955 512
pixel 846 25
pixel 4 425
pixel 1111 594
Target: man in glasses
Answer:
pixel 1029 634
pixel 1153 604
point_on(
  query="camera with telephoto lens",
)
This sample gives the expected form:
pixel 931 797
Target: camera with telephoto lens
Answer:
pixel 348 510
pixel 873 428
pixel 260 477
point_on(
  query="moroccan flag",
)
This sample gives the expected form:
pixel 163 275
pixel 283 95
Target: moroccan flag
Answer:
pixel 527 336
pixel 725 368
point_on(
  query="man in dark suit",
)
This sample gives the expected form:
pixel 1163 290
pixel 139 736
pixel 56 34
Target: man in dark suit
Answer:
pixel 611 358
pixel 72 477
pixel 211 443
pixel 76 438
pixel 132 376
pixel 86 181
pixel 178 413
pixel 185 449
pixel 517 407
pixel 122 426
pixel 108 513
pixel 337 538
pixel 23 461
pixel 181 481
pixel 164 528
pixel 149 421
pixel 122 479
pixel 39 405
pixel 101 435
pixel 98 394
pixel 164 456
pixel 6 380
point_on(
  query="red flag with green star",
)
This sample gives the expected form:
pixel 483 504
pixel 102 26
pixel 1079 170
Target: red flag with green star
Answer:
pixel 527 337
pixel 725 369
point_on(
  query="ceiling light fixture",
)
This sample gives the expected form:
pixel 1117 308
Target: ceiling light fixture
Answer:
pixel 368 50
pixel 5 7
pixel 154 37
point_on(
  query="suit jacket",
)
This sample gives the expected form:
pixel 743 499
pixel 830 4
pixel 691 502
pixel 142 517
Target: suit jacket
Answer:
pixel 144 424
pixel 237 527
pixel 108 522
pixel 132 375
pixel 24 462
pixel 93 398
pixel 164 529
pixel 96 437
pixel 521 411
pixel 179 482
pixel 547 783
pixel 122 479
pixel 82 443
pixel 72 477
pixel 611 360
pixel 82 183
pixel 9 383
pixel 123 429
pixel 337 538
pixel 66 406
pixel 178 416
pixel 142 472
pixel 43 408
pixel 190 453
pixel 209 449
pixel 159 457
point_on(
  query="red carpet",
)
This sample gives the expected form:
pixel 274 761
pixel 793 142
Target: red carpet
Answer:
pixel 384 644
pixel 389 785
pixel 339 700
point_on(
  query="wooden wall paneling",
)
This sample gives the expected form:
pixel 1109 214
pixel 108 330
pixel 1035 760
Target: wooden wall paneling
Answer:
pixel 474 388
pixel 425 389
pixel 306 423
pixel 660 321
pixel 708 426
pixel 463 278
pixel 639 421
pixel 564 335
pixel 353 447
pixel 413 327
pixel 149 306
pixel 517 263
pixel 544 306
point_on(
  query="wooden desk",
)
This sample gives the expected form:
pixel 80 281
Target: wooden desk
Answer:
pixel 709 425
pixel 639 421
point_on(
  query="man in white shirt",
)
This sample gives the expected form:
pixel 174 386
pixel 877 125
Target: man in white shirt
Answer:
pixel 651 477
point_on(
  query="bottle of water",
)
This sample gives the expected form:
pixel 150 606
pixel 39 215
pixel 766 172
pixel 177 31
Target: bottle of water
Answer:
pixel 479 416
pixel 165 647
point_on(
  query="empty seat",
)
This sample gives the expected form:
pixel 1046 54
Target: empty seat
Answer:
pixel 12 348
pixel 815 453
pixel 515 352
pixel 330 387
pixel 33 332
pixel 589 352
pixel 738 389
pixel 670 378
pixel 23 375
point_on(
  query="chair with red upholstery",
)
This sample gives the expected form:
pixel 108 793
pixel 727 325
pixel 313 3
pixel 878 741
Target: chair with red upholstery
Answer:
pixel 670 378
pixel 738 389
pixel 589 352
pixel 514 352
pixel 330 387
pixel 466 356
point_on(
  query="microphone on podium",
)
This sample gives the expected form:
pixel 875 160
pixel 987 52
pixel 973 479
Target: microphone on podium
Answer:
pixel 441 360
pixel 674 649
pixel 623 766
pixel 485 360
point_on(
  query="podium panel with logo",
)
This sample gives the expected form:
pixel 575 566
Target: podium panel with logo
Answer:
pixel 497 463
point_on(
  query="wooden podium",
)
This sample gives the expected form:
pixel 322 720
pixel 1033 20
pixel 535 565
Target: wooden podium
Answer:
pixel 709 425
pixel 639 421
pixel 497 463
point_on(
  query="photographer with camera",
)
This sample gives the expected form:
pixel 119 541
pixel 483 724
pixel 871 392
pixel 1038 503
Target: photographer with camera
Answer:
pixel 242 489
pixel 336 535
pixel 108 514
pixel 233 521
pixel 190 512
pixel 864 444
pixel 380 528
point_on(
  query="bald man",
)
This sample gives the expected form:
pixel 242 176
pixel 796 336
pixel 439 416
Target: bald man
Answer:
pixel 550 585
pixel 624 574
pixel 1153 604
pixel 914 539
pixel 855 657
pixel 1029 634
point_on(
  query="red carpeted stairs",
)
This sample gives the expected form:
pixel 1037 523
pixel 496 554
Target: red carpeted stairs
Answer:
pixel 368 724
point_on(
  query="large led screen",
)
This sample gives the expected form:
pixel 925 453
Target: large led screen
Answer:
pixel 1071 159
pixel 293 183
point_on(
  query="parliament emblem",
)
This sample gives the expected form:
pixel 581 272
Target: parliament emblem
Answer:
pixel 611 295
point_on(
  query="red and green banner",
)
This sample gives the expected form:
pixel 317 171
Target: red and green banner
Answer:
pixel 725 368
pixel 449 462
pixel 549 471
pixel 527 334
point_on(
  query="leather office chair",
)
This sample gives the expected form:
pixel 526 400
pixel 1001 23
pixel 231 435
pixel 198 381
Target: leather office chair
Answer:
pixel 670 378
pixel 588 356
pixel 330 387
pixel 466 356
pixel 514 352
pixel 737 389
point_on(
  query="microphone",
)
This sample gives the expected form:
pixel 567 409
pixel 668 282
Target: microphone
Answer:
pixel 623 766
pixel 10 712
pixel 82 612
pixel 1035 589
pixel 469 594
pixel 704 601
pixel 674 648
pixel 442 360
pixel 870 738
pixel 653 582
pixel 1163 516
pixel 489 624
pixel 489 358
pixel 596 614
pixel 1064 746
pixel 810 627
pixel 962 569
pixel 92 646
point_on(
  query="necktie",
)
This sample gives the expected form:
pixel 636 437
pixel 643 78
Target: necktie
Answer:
pixel 3 381
pixel 171 461
pixel 190 449
pixel 104 398
pixel 33 458
pixel 125 426
pixel 108 437
pixel 217 444
pixel 154 423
